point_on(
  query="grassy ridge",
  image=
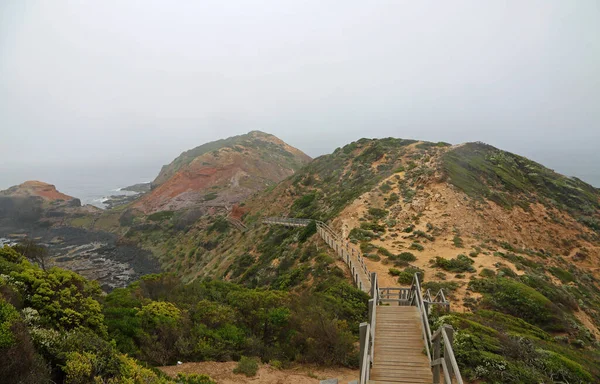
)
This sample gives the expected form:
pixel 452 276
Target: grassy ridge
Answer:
pixel 482 171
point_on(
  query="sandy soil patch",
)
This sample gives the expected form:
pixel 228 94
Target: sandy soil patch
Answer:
pixel 222 373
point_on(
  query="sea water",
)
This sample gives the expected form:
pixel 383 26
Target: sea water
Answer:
pixel 90 184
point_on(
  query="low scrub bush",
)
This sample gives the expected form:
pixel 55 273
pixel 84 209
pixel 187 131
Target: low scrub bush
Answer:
pixel 406 276
pixel 461 263
pixel 246 366
pixel 517 299
pixel 416 247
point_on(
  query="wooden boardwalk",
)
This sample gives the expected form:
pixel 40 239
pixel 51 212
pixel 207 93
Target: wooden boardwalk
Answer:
pixel 346 251
pixel 399 352
pixel 396 343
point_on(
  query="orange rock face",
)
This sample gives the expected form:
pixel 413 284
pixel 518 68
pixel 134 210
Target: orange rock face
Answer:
pixel 37 188
pixel 222 177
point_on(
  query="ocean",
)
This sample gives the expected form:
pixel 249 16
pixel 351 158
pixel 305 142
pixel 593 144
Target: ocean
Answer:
pixel 91 184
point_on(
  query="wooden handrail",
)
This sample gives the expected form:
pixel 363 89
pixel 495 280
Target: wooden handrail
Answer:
pixel 416 289
pixel 439 359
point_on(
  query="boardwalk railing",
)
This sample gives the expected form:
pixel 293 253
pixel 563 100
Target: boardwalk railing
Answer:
pixel 438 346
pixel 237 223
pixel 289 222
pixel 367 333
pixel 351 256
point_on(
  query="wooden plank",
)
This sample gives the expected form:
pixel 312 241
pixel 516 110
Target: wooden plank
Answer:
pixel 406 373
pixel 409 380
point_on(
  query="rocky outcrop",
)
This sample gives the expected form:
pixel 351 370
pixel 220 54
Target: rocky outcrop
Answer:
pixel 222 173
pixel 45 191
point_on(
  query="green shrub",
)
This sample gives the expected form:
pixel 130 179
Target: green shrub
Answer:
pixel 385 188
pixel 308 231
pixel 424 235
pixel 220 225
pixel 564 276
pixel 407 256
pixel 458 242
pixel 366 247
pixel 406 277
pixel 210 196
pixel 392 199
pixel 378 213
pixel 394 272
pixel 372 227
pixel 416 247
pixel 435 286
pixel 182 378
pixel 486 272
pixel 246 366
pixel 361 234
pixel 384 252
pixel 517 299
pixel 459 264
pixel 160 216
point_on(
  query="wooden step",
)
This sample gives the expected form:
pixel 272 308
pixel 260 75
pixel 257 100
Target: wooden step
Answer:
pixel 408 380
pixel 406 372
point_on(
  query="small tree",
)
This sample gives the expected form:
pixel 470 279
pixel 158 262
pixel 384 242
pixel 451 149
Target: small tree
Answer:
pixel 33 251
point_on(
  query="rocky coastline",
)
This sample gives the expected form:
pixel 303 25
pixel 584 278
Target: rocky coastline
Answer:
pixel 97 256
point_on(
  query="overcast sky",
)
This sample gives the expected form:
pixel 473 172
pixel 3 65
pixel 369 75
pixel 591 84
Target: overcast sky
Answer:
pixel 132 82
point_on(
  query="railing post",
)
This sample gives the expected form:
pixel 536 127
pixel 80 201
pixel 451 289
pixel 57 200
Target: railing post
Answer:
pixel 362 337
pixel 450 333
pixel 436 356
pixel 373 280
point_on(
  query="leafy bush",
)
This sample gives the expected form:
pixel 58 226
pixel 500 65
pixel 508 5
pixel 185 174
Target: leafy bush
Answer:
pixel 161 216
pixel 424 235
pixel 486 272
pixel 407 256
pixel 435 286
pixel 461 263
pixel 194 379
pixel 392 199
pixel 403 258
pixel 372 227
pixel 220 224
pixel 210 196
pixel 308 231
pixel 517 299
pixel 458 242
pixel 361 234
pixel 417 247
pixel 377 213
pixel 246 366
pixel 385 188
pixel 406 277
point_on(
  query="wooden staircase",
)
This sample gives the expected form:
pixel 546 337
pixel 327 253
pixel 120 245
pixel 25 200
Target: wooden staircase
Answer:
pixel 399 353
pixel 396 343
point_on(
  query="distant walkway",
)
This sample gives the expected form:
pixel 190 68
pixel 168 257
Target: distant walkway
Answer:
pixel 351 256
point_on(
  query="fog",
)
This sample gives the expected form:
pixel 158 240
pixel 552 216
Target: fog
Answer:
pixel 113 82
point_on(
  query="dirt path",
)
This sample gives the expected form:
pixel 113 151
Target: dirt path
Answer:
pixel 222 373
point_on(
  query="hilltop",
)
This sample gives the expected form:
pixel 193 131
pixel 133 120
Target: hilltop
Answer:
pixel 515 245
pixel 32 188
pixel 222 173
